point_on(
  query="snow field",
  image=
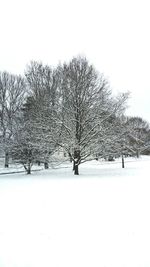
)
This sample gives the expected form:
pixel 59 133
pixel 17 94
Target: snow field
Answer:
pixel 100 218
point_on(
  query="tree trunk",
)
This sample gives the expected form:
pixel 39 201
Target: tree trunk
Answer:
pixel 6 160
pixel 96 157
pixel 28 170
pixel 137 153
pixel 73 165
pixel 76 169
pixel 122 161
pixel 76 162
pixel 46 165
pixel 27 167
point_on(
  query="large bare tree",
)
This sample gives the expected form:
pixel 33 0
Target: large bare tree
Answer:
pixel 87 104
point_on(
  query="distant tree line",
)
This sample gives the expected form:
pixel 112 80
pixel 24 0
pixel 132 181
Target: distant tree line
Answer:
pixel 70 107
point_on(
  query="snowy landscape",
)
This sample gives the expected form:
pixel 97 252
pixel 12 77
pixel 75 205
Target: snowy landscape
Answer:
pixel 97 219
pixel 74 133
pixel 74 183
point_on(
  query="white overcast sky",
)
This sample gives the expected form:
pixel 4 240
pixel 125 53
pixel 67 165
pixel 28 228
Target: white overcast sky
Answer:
pixel 113 34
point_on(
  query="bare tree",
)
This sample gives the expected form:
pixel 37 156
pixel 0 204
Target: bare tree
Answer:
pixel 130 137
pixel 87 105
pixel 139 137
pixel 42 107
pixel 12 93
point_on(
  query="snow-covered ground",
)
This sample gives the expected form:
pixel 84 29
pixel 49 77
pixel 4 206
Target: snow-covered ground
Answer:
pixel 100 218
